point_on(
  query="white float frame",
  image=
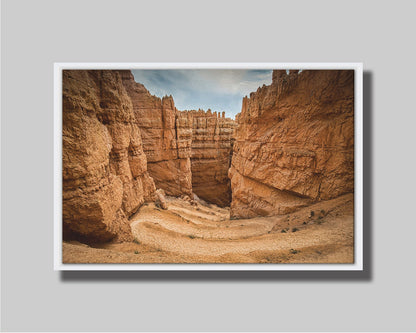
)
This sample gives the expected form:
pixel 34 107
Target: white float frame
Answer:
pixel 358 172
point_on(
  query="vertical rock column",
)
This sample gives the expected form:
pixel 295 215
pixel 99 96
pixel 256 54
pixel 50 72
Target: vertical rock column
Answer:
pixel 211 156
pixel 187 151
pixel 105 177
pixel 166 136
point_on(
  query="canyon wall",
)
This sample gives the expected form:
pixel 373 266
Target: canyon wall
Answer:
pixel 105 178
pixel 119 141
pixel 166 135
pixel 294 143
pixel 187 151
pixel 212 141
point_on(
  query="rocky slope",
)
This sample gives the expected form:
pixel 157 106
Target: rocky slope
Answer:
pixel 105 177
pixel 166 134
pixel 212 141
pixel 294 143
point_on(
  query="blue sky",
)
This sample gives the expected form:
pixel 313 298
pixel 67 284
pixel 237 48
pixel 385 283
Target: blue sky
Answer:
pixel 218 90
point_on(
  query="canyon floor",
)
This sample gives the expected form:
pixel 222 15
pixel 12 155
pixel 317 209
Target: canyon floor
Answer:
pixel 197 232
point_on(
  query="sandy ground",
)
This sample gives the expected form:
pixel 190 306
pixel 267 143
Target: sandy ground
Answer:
pixel 320 233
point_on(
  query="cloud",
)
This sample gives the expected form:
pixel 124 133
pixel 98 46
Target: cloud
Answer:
pixel 218 90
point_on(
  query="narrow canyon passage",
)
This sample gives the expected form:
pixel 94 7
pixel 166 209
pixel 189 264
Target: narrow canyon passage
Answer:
pixel 187 151
pixel 146 182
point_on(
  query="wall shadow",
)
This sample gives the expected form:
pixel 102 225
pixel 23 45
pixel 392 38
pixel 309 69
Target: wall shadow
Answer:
pixel 241 276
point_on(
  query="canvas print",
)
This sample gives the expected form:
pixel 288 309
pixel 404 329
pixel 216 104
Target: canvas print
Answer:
pixel 208 166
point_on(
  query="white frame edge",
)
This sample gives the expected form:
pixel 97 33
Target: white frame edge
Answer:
pixel 358 172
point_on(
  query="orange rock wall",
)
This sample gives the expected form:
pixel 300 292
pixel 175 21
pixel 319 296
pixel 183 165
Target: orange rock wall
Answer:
pixel 294 143
pixel 167 136
pixel 187 151
pixel 105 178
pixel 211 156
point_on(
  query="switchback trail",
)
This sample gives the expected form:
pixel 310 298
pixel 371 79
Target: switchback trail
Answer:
pixel 197 232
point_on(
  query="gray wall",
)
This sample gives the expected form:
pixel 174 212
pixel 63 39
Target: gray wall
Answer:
pixel 37 33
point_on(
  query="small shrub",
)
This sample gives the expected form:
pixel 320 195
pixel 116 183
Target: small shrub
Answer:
pixel 293 251
pixel 191 236
pixel 136 252
pixel 136 241
pixel 295 229
pixel 283 231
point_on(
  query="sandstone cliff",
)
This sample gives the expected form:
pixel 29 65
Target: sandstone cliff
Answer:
pixel 105 177
pixel 187 151
pixel 167 136
pixel 211 156
pixel 294 143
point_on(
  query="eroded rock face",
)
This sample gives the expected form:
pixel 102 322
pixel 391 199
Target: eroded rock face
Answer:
pixel 167 136
pixel 186 150
pixel 105 177
pixel 294 143
pixel 212 141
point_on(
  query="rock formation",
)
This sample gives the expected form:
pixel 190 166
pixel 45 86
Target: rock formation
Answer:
pixel 166 134
pixel 105 177
pixel 294 143
pixel 211 156
pixel 160 199
pixel 186 150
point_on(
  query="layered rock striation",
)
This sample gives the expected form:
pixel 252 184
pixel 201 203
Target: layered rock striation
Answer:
pixel 119 141
pixel 294 143
pixel 187 151
pixel 212 140
pixel 105 178
pixel 166 135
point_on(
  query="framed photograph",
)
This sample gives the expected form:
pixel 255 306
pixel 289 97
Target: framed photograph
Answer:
pixel 208 166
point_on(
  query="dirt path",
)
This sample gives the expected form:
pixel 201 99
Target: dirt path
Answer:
pixel 204 233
